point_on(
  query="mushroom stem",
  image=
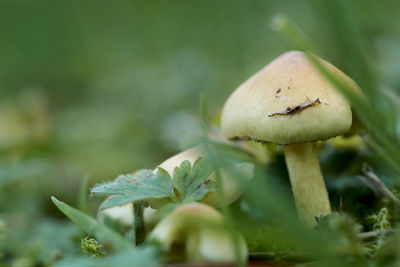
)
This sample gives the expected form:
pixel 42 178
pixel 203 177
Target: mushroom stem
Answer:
pixel 308 184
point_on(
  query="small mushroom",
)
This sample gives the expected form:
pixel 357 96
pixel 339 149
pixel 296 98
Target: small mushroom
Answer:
pixel 309 111
pixel 198 231
pixel 231 186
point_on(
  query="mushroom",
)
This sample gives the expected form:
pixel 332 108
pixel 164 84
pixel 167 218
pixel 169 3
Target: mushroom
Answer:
pixel 232 187
pixel 199 230
pixel 290 103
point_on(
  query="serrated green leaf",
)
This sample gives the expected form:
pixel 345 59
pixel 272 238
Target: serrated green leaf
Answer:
pixel 91 226
pixel 145 186
pixel 83 194
pixel 187 184
pixel 122 184
pixel 200 191
pixel 191 182
pixel 201 170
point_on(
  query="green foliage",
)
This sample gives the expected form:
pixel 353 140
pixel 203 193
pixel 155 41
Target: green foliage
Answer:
pixel 191 182
pixel 188 183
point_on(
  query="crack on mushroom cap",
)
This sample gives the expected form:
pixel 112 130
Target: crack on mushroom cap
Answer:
pixel 298 108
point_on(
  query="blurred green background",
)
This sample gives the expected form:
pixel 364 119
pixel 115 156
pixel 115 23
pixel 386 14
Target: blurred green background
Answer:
pixel 100 88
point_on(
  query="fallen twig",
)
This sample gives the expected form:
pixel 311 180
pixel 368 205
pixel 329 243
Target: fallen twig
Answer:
pixel 375 184
pixel 372 234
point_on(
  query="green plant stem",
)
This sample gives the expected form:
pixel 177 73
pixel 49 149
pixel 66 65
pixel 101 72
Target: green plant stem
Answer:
pixel 308 184
pixel 138 224
pixel 83 194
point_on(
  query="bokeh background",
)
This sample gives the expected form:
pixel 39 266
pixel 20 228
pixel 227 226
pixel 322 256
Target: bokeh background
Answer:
pixel 100 88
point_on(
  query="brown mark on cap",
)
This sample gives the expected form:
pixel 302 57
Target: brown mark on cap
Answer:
pixel 298 108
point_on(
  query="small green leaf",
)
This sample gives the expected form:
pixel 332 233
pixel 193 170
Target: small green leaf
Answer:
pixel 145 185
pixel 180 176
pixel 83 195
pixel 156 188
pixel 91 226
pixel 191 182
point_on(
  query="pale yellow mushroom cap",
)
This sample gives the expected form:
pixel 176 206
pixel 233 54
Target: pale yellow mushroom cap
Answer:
pixel 286 102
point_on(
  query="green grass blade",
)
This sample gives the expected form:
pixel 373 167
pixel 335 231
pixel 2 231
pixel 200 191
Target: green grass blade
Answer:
pixel 92 227
pixel 83 194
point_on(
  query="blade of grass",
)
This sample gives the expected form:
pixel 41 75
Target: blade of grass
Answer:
pixel 92 227
pixel 225 210
pixel 83 194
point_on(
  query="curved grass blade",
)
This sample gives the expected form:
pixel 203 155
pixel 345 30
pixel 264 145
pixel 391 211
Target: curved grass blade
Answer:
pixel 92 227
pixel 83 194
